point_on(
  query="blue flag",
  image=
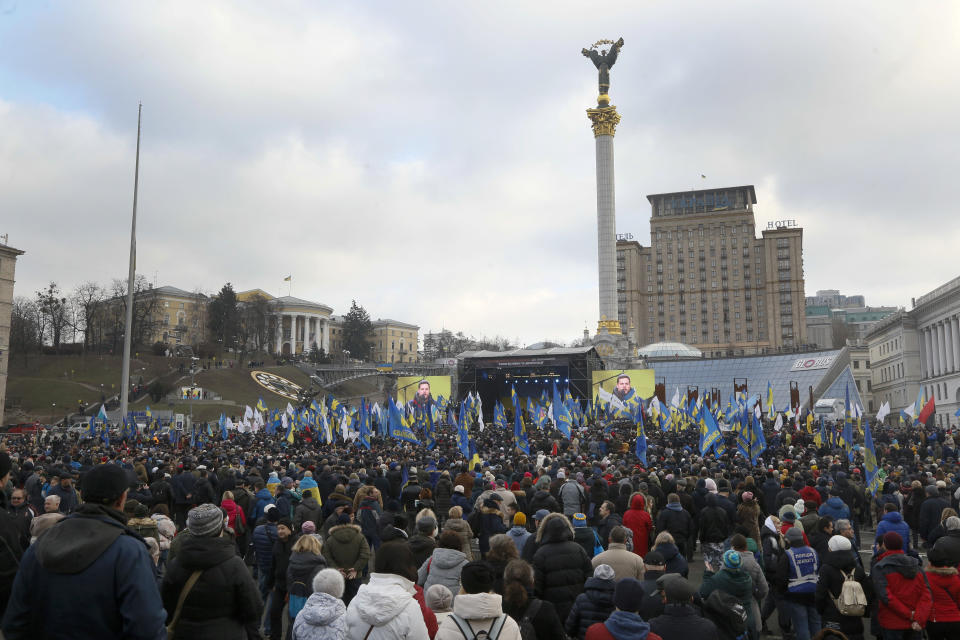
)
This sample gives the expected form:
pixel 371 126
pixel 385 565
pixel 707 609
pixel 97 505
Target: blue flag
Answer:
pixel 561 414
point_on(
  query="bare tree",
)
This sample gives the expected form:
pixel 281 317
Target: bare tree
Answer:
pixel 55 314
pixel 839 332
pixel 25 332
pixel 145 307
pixel 252 327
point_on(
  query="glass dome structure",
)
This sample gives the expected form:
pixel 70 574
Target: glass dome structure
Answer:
pixel 669 350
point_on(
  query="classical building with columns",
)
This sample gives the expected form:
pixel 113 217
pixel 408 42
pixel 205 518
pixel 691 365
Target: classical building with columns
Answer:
pixel 296 325
pixel 920 348
pixel 938 323
pixel 8 263
pixel 894 348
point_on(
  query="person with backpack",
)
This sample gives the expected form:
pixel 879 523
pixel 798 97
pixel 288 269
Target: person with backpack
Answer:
pixel 796 580
pixel 560 565
pixel 305 562
pixel 944 585
pixel 681 619
pixel 903 596
pixel 571 496
pixel 841 586
pixel 477 611
pixel 714 528
pixel 536 618
pixel 624 623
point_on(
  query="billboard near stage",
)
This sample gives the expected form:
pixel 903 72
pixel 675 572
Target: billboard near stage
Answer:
pixel 409 386
pixel 641 381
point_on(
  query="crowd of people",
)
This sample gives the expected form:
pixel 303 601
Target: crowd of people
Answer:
pixel 251 537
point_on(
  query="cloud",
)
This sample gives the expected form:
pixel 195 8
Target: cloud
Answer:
pixel 434 162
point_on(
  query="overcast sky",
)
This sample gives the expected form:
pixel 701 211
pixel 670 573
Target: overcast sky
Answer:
pixel 433 160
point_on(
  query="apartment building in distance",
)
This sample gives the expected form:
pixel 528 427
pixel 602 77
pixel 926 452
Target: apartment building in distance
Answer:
pixel 707 280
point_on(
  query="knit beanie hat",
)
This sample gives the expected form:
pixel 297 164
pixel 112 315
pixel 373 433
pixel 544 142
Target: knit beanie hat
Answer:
pixel 732 559
pixel 308 527
pixel 438 598
pixel 794 536
pixel 604 572
pixel 519 519
pixel 628 595
pixel 892 541
pixel 579 520
pixel 205 520
pixel 272 513
pixel 747 496
pixel 839 543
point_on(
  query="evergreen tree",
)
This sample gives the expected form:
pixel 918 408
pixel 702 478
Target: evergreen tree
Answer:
pixel 224 317
pixel 357 332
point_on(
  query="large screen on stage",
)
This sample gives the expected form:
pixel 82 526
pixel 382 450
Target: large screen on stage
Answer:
pixel 641 380
pixel 407 387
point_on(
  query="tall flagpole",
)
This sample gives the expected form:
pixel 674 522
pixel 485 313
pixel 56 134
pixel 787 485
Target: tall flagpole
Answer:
pixel 125 375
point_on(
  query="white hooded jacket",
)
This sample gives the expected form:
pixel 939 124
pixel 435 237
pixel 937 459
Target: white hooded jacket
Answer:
pixel 387 604
pixel 480 610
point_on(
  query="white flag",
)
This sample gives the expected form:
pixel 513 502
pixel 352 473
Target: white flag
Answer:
pixel 675 400
pixel 290 409
pixel 756 411
pixel 229 424
pixel 480 411
pixel 883 412
pixel 779 423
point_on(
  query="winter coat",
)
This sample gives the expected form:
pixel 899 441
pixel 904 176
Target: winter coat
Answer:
pixel 893 521
pixel 463 530
pixel 491 524
pixel 281 561
pixel 234 513
pixel 675 519
pixel 323 617
pixel 606 525
pixel 422 547
pixel 225 601
pixel 594 605
pixel 833 565
pixel 263 498
pixel 545 623
pixel 301 570
pixel 442 567
pixel 387 604
pixel 945 590
pixel 264 535
pixel 542 500
pixel 735 582
pixel 308 510
pixel 166 530
pixel 91 547
pixel 480 611
pixel 572 497
pixel 772 548
pixel 560 565
pixel 586 538
pixel 460 500
pixel 676 563
pixel 519 535
pixel 930 513
pixel 622 625
pixel 749 564
pixel 715 525
pixel 683 621
pixel 638 520
pixel 835 508
pixel 748 516
pixel 900 590
pixel 625 564
pixel 949 545
pixel 442 494
pixel 346 548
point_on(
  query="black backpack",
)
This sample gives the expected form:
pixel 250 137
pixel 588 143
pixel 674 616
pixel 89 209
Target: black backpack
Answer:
pixel 728 614
pixel 527 631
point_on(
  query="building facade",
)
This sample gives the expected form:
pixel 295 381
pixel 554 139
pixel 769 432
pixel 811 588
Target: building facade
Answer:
pixel 295 325
pixel 8 264
pixel 394 341
pixel 862 376
pixel 894 348
pixel 938 324
pixel 833 299
pixel 707 280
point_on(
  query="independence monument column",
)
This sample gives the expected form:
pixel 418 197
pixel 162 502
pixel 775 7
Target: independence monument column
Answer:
pixel 604 119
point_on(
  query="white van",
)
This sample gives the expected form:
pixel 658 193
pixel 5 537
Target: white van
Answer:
pixel 828 409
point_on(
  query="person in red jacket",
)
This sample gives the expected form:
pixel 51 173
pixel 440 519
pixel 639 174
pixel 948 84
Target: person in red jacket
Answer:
pixel 905 600
pixel 625 622
pixel 809 492
pixel 944 623
pixel 639 521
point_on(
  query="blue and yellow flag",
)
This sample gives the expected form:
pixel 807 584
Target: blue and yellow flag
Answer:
pixel 709 433
pixel 561 414
pixel 519 430
pixel 640 448
pixel 260 405
pixel 399 429
pixel 870 466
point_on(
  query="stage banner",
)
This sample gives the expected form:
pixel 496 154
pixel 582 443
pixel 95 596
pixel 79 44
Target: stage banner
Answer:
pixel 641 381
pixel 407 387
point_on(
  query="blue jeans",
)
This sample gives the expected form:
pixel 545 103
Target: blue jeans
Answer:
pixel 265 593
pixel 804 619
pixel 899 634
